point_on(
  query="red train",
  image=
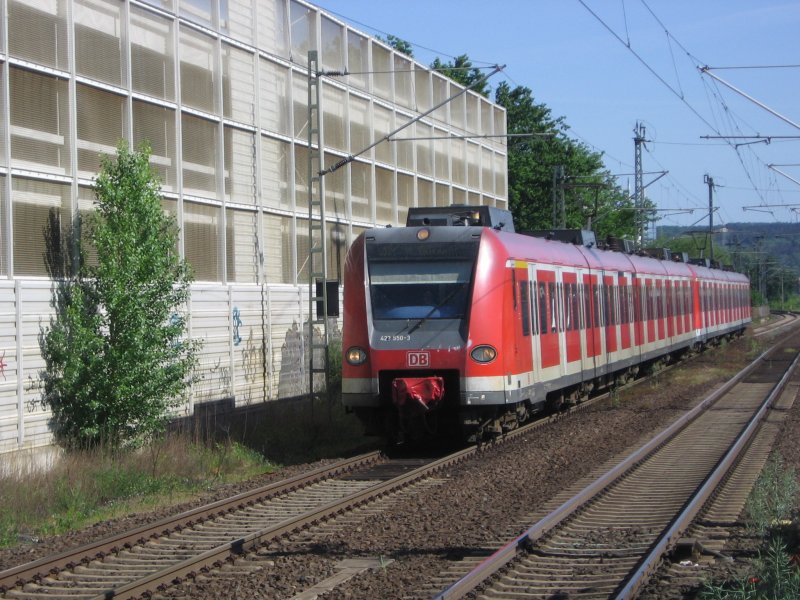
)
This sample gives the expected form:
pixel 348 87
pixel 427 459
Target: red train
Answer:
pixel 457 324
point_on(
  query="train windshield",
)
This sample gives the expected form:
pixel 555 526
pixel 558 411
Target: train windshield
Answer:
pixel 418 289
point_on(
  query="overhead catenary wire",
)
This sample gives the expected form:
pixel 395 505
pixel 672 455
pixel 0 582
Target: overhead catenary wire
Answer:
pixel 728 118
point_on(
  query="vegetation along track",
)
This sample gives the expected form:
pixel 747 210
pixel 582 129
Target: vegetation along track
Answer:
pixel 607 539
pixel 131 563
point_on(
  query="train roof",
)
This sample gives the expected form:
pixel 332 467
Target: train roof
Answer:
pixel 518 246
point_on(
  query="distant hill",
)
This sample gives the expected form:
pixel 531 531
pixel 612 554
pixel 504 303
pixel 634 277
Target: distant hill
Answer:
pixel 779 242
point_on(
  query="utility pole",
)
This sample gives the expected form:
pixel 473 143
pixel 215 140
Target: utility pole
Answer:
pixel 559 210
pixel 709 181
pixel 638 189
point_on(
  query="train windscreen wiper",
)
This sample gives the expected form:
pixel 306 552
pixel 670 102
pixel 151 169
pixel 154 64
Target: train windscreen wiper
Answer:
pixel 446 299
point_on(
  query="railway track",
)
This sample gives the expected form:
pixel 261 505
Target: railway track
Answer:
pixel 145 559
pixel 783 320
pixel 154 556
pixel 606 540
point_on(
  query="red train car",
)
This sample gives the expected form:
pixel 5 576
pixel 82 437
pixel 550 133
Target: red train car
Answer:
pixel 455 324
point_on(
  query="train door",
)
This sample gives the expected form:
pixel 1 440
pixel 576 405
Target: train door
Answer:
pixel 572 328
pixel 549 348
pixel 624 312
pixel 561 320
pixel 638 313
pixel 659 309
pixel 609 314
pixel 533 294
pixel 650 312
pixel 677 289
pixel 592 340
pixel 670 313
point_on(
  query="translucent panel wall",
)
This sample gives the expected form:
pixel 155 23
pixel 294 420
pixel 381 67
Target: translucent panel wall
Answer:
pixel 39 119
pixel 152 54
pixel 226 116
pixel 278 236
pixel 276 181
pixel 333 117
pixel 302 31
pixel 199 143
pixel 198 66
pixel 3 228
pixel 360 191
pixel 37 31
pixel 218 90
pixel 201 234
pixel 240 166
pixel 101 120
pixel 155 125
pixel 238 85
pixel 333 42
pixel 42 226
pixel 241 242
pixel 335 191
pixel 275 95
pixel 98 42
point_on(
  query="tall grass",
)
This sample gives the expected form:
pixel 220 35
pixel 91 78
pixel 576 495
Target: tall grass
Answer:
pixel 774 574
pixel 84 487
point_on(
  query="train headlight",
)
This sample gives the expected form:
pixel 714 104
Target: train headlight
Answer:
pixel 483 354
pixel 356 355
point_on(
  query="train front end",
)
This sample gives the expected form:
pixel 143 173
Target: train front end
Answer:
pixel 407 297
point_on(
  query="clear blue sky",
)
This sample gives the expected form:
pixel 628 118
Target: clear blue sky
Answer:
pixel 573 62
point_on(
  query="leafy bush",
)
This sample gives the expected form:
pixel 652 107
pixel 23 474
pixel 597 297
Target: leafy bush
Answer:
pixel 115 353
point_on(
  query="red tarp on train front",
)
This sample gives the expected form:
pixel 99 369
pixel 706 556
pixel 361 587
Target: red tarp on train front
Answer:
pixel 417 392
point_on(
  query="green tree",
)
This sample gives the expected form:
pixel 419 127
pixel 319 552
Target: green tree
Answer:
pixel 592 198
pixel 462 71
pixel 398 44
pixel 116 355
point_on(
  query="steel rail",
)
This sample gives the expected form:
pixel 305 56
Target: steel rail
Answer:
pixel 496 561
pixel 683 520
pixel 49 565
pixel 238 546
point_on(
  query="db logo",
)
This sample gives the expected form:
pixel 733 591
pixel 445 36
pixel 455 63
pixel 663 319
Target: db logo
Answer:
pixel 418 359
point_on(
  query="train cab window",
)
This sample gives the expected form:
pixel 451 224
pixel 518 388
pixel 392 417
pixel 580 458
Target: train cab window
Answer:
pixel 416 289
pixel 526 309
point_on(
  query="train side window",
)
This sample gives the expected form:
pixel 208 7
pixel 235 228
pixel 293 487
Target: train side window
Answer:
pixel 534 306
pixel 526 309
pixel 542 308
pixel 551 292
pixel 587 306
pixel 574 307
pixel 568 307
pixel 596 307
pixel 628 300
